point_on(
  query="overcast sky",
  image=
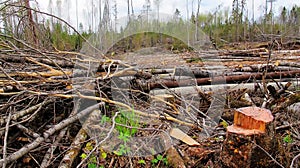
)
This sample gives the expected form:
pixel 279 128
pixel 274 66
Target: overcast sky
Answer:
pixel 166 6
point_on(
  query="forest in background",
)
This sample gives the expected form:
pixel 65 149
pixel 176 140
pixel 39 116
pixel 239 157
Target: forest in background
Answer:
pixel 223 26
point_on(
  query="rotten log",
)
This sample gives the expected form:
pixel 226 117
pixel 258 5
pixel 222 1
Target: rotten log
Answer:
pixel 251 132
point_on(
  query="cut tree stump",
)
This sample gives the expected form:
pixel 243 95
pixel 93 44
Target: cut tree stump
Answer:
pixel 251 132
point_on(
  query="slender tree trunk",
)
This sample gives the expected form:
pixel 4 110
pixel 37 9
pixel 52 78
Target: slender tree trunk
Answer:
pixel 132 11
pixel 187 18
pixel 92 17
pixel 265 18
pixel 252 35
pixel 77 24
pixel 100 13
pixel 128 9
pixel 237 21
pixel 31 23
pixel 197 19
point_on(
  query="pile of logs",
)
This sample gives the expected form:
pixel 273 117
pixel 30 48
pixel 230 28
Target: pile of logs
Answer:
pixel 38 90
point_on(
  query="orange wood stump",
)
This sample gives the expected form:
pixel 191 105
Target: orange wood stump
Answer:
pixel 252 126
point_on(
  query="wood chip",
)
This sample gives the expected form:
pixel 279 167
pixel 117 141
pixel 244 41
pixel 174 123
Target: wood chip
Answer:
pixel 178 134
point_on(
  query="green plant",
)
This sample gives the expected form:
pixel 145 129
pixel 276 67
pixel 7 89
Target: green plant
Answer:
pixel 126 125
pixel 127 120
pixel 92 165
pixel 159 158
pixel 142 161
pixel 104 119
pixel 123 149
pixel 224 123
pixel 92 160
pixel 288 139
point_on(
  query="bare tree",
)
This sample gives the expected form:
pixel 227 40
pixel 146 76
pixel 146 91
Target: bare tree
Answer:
pixel 92 15
pixel 106 15
pixel 77 24
pixel 115 10
pixel 238 8
pixel 147 9
pixel 58 7
pixel 157 4
pixel 187 17
pixel 132 11
pixel 67 6
pixel 197 19
pixel 128 10
pixel 100 13
pixel 271 14
pixel 31 23
pixel 50 9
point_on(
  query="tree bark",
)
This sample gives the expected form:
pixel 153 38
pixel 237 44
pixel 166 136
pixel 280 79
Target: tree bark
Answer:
pixel 31 23
pixel 222 79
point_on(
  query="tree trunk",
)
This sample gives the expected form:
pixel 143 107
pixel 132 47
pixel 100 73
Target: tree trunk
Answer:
pixel 32 33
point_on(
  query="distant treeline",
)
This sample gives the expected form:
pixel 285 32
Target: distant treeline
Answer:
pixel 221 26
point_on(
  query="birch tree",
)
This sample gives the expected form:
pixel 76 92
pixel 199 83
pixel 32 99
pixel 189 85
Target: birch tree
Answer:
pixel 197 19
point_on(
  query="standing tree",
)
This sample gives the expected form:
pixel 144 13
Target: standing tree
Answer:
pixel 283 19
pixel 197 19
pixel 67 6
pixel 100 13
pixel 58 7
pixel 115 13
pixel 50 9
pixel 147 9
pixel 132 11
pixel 106 15
pixel 238 7
pixel 128 10
pixel 271 14
pixel 31 30
pixel 176 15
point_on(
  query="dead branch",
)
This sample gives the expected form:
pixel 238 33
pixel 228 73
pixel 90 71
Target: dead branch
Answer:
pixel 47 158
pixel 5 140
pixel 27 130
pixel 22 113
pixel 24 150
pixel 7 75
pixel 287 126
pixel 294 159
pixel 75 147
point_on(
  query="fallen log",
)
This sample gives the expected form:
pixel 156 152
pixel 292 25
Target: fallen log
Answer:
pixel 62 62
pixel 250 52
pixel 290 64
pixel 222 79
pixel 188 90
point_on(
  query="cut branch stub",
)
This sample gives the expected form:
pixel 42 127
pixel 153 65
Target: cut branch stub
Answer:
pixel 250 121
